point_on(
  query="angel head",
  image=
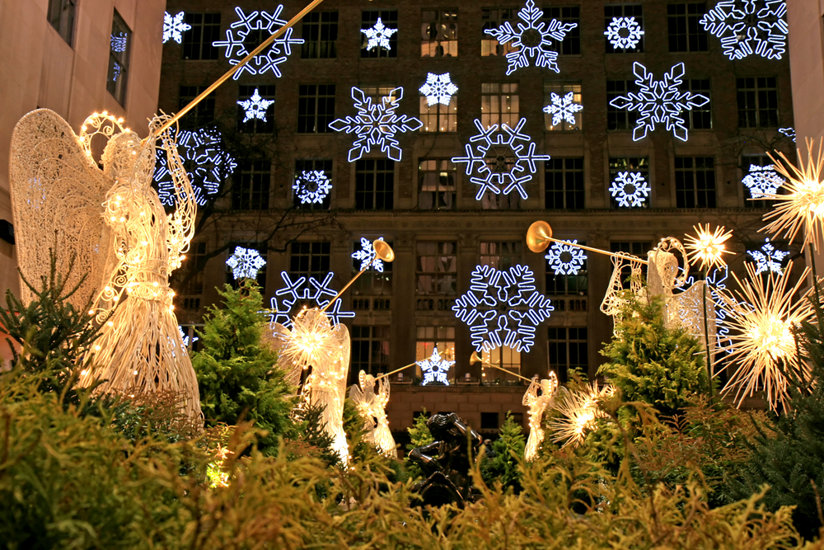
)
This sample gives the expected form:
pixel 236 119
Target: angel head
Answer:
pixel 127 158
pixel 367 381
pixel 549 385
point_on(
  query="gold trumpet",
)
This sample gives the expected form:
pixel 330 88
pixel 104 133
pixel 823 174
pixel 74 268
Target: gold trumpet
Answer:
pixel 539 235
pixel 476 358
pixel 382 252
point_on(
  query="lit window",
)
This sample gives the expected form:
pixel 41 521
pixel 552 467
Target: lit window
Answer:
pixel 439 33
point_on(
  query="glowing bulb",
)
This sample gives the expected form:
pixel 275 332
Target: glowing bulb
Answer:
pixel 708 246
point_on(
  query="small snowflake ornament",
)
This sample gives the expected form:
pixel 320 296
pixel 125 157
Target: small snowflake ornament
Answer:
pixel 174 27
pixel 366 255
pixel 768 258
pixel 762 181
pixel 624 33
pixel 184 337
pixel 438 89
pixel 563 108
pixel 378 36
pixel 245 263
pixel 311 186
pixel 305 290
pixel 629 189
pixel 788 131
pixel 435 369
pixel 255 107
pixel 119 42
pixel 749 27
pixel 565 258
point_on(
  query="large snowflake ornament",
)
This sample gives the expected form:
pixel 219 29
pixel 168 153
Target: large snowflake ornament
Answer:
pixel 174 27
pixel 532 39
pixel 366 255
pixel 563 108
pixel 435 369
pixel 245 263
pixel 311 186
pixel 565 258
pixel 629 189
pixel 246 34
pixel 378 36
pixel 376 124
pixel 624 33
pixel 749 27
pixel 659 101
pixel 438 88
pixel 768 258
pixel 505 159
pixel 207 164
pixel 762 181
pixel 255 107
pixel 307 291
pixel 502 308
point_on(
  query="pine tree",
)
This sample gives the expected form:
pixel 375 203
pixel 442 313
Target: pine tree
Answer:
pixel 502 462
pixel 419 435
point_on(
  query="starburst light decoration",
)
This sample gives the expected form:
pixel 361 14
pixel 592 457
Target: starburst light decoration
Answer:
pixel 438 88
pixel 311 186
pixel 255 107
pixel 174 27
pixel 579 412
pixel 563 108
pixel 659 102
pixel 537 398
pixel 749 27
pixel 378 36
pixel 435 369
pixel 762 181
pixel 768 258
pixel 245 263
pixel 376 124
pixel 505 158
pixel 207 164
pixel 788 131
pixel 307 290
pixel 708 246
pixel 502 308
pixel 532 38
pixel 565 259
pixel 762 318
pixel 624 33
pixel 256 26
pixel 367 254
pixel 629 189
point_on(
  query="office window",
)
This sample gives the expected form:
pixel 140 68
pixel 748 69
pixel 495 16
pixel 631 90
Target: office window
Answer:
pixel 309 259
pixel 370 350
pixel 636 248
pixel 439 117
pixel 203 114
pixel 501 254
pixel 695 182
pixel 188 282
pixel 491 201
pixel 619 119
pixel 757 102
pixel 439 33
pixel 389 18
pixel 316 108
pixel 61 17
pixel 436 184
pixel 571 45
pixel 684 31
pixel 250 190
pixel 564 183
pixel 502 357
pixel 499 103
pixel 320 35
pixel 699 118
pixel 637 13
pixel 436 274
pixel 119 47
pixel 197 41
pixel 492 18
pixel 567 350
pixel 427 338
pixel 311 165
pixel 255 125
pixel 562 90
pixel 374 184
pixel 633 165
pixel 567 285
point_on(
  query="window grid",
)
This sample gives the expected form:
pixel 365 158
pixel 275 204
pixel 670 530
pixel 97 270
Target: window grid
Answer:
pixel 439 33
pixel 561 90
pixel 61 17
pixel 203 113
pixel 119 48
pixel 427 337
pixel 374 184
pixel 499 103
pixel 699 118
pixel 370 349
pixel 695 182
pixel 390 19
pixel 567 350
pixel 629 164
pixel 500 254
pixel 571 44
pixel 316 108
pixel 250 190
pixel 323 165
pixel 636 248
pixel 492 18
pixel 439 117
pixel 757 102
pixel 309 259
pixel 683 28
pixel 436 184
pixel 564 183
pixel 503 357
pixel 619 119
pixel 255 125
pixel 636 12
pixel 320 35
pixel 436 274
pixel 197 41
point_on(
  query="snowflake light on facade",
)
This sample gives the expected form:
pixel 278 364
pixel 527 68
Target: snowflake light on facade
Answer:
pixel 119 42
pixel 532 39
pixel 248 32
pixel 378 35
pixel 762 181
pixel 749 27
pixel 207 164
pixel 768 258
pixel 366 254
pixel 502 308
pixel 565 259
pixel 788 131
pixel 505 158
pixel 629 189
pixel 624 33
pixel 184 336
pixel 245 263
pixel 174 27
pixel 435 369
pixel 376 124
pixel 311 186
pixel 438 88
pixel 305 290
pixel 562 108
pixel 717 283
pixel 255 107
pixel 659 101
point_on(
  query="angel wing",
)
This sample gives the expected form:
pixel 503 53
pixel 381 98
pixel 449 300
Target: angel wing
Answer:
pixel 275 336
pixel 57 193
pixel 686 309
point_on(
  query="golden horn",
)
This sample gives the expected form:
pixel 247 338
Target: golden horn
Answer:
pixel 396 370
pixel 475 358
pixel 539 235
pixel 382 251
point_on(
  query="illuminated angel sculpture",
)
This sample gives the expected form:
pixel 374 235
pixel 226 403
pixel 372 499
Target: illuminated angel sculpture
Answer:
pixel 537 398
pixel 371 406
pixel 123 243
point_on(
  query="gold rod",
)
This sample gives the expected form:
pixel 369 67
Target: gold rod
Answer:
pixel 394 371
pixel 598 250
pixel 506 371
pixel 352 280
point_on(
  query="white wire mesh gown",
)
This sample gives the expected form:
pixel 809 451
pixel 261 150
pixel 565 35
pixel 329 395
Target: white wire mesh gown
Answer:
pixel 371 406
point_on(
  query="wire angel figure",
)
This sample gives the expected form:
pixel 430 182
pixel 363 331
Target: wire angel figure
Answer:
pixel 371 406
pixel 110 226
pixel 537 398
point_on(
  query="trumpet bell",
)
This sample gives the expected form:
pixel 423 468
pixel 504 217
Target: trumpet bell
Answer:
pixel 475 358
pixel 383 251
pixel 538 236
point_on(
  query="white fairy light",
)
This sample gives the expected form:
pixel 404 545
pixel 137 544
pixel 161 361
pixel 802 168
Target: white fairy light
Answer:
pixel 245 263
pixel 174 27
pixel 378 36
pixel 366 255
pixel 311 186
pixel 438 88
pixel 563 108
pixel 624 33
pixel 565 259
pixel 762 181
pixel 629 189
pixel 768 258
pixel 255 107
pixel 435 369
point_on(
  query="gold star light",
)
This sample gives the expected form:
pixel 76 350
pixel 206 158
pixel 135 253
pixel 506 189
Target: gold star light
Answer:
pixel 578 411
pixel 708 246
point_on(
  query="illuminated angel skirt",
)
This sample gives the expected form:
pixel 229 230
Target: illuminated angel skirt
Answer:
pixel 332 416
pixel 533 443
pixel 382 438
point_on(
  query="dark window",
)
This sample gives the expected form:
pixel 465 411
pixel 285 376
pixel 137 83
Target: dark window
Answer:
pixel 188 281
pixel 683 28
pixel 374 184
pixel 695 182
pixel 439 33
pixel 436 184
pixel 628 165
pixel 309 258
pixel 248 121
pixel 61 17
pixel 436 275
pixel 636 248
pixel 389 19
pixel 203 113
pixel 305 186
pixel 197 41
pixel 316 107
pixel 370 349
pixel 635 12
pixel 250 190
pixel 564 182
pixel 757 102
pixel 699 118
pixel 619 119
pixel 320 35
pixel 571 44
pixel 489 421
pixel 567 350
pixel 119 46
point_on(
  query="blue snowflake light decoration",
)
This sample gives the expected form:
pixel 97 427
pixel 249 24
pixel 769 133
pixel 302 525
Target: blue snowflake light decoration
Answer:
pixel 438 88
pixel 563 108
pixel 532 39
pixel 717 284
pixel 490 149
pixel 629 189
pixel 565 259
pixel 311 186
pixel 768 258
pixel 624 33
pixel 257 26
pixel 376 124
pixel 762 181
pixel 435 369
pixel 255 107
pixel 378 36
pixel 366 254
pixel 788 131
pixel 119 42
pixel 749 27
pixel 206 161
pixel 245 263
pixel 659 101
pixel 174 27
pixel 308 291
pixel 502 308
pixel 184 336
